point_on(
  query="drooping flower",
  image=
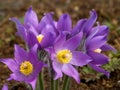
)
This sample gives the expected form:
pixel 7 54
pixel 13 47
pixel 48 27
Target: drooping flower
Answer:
pixel 25 66
pixel 64 56
pixel 34 32
pixel 93 49
pixel 94 41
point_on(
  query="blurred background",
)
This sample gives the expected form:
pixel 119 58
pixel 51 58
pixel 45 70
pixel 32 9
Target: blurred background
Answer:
pixel 108 13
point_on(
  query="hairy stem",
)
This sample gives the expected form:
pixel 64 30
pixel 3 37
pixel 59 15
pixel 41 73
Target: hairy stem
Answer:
pixel 41 83
pixel 66 83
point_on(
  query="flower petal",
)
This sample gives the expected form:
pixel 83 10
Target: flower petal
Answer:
pixel 79 58
pixel 48 29
pixel 73 42
pixel 21 30
pixel 5 87
pixel 58 69
pixel 33 53
pixel 20 54
pixel 107 47
pixel 103 30
pixel 33 30
pixel 97 68
pixel 48 20
pixel 40 65
pixel 59 41
pixel 69 70
pixel 48 40
pixel 95 42
pixel 64 23
pixel 17 76
pixel 98 58
pixel 78 27
pixel 40 27
pixel 33 83
pixel 12 65
pixel 31 18
pixel 90 22
pixel 31 39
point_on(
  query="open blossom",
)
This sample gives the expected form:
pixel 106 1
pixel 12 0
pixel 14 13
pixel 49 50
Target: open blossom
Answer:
pixel 34 32
pixel 64 56
pixel 95 41
pixel 92 31
pixel 25 65
pixel 89 30
pixel 94 45
pixel 93 49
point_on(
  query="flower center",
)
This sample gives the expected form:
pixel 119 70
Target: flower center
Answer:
pixel 40 37
pixel 26 68
pixel 97 50
pixel 64 56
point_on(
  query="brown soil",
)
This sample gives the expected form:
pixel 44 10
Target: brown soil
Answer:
pixel 108 11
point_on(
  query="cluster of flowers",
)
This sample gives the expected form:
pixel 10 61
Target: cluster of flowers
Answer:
pixel 68 47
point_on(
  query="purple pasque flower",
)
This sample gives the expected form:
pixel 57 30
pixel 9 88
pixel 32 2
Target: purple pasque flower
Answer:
pixel 94 41
pixel 25 65
pixel 34 32
pixel 64 56
pixel 100 30
pixel 90 31
pixel 94 44
pixel 93 49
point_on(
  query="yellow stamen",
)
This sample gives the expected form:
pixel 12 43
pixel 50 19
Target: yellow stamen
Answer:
pixel 64 56
pixel 26 68
pixel 40 37
pixel 97 50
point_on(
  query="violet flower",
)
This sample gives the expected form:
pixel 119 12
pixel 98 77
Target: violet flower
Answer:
pixel 63 56
pixel 94 44
pixel 25 65
pixel 93 49
pixel 94 41
pixel 34 32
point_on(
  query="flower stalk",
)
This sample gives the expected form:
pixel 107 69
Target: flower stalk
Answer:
pixel 41 81
pixel 66 83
